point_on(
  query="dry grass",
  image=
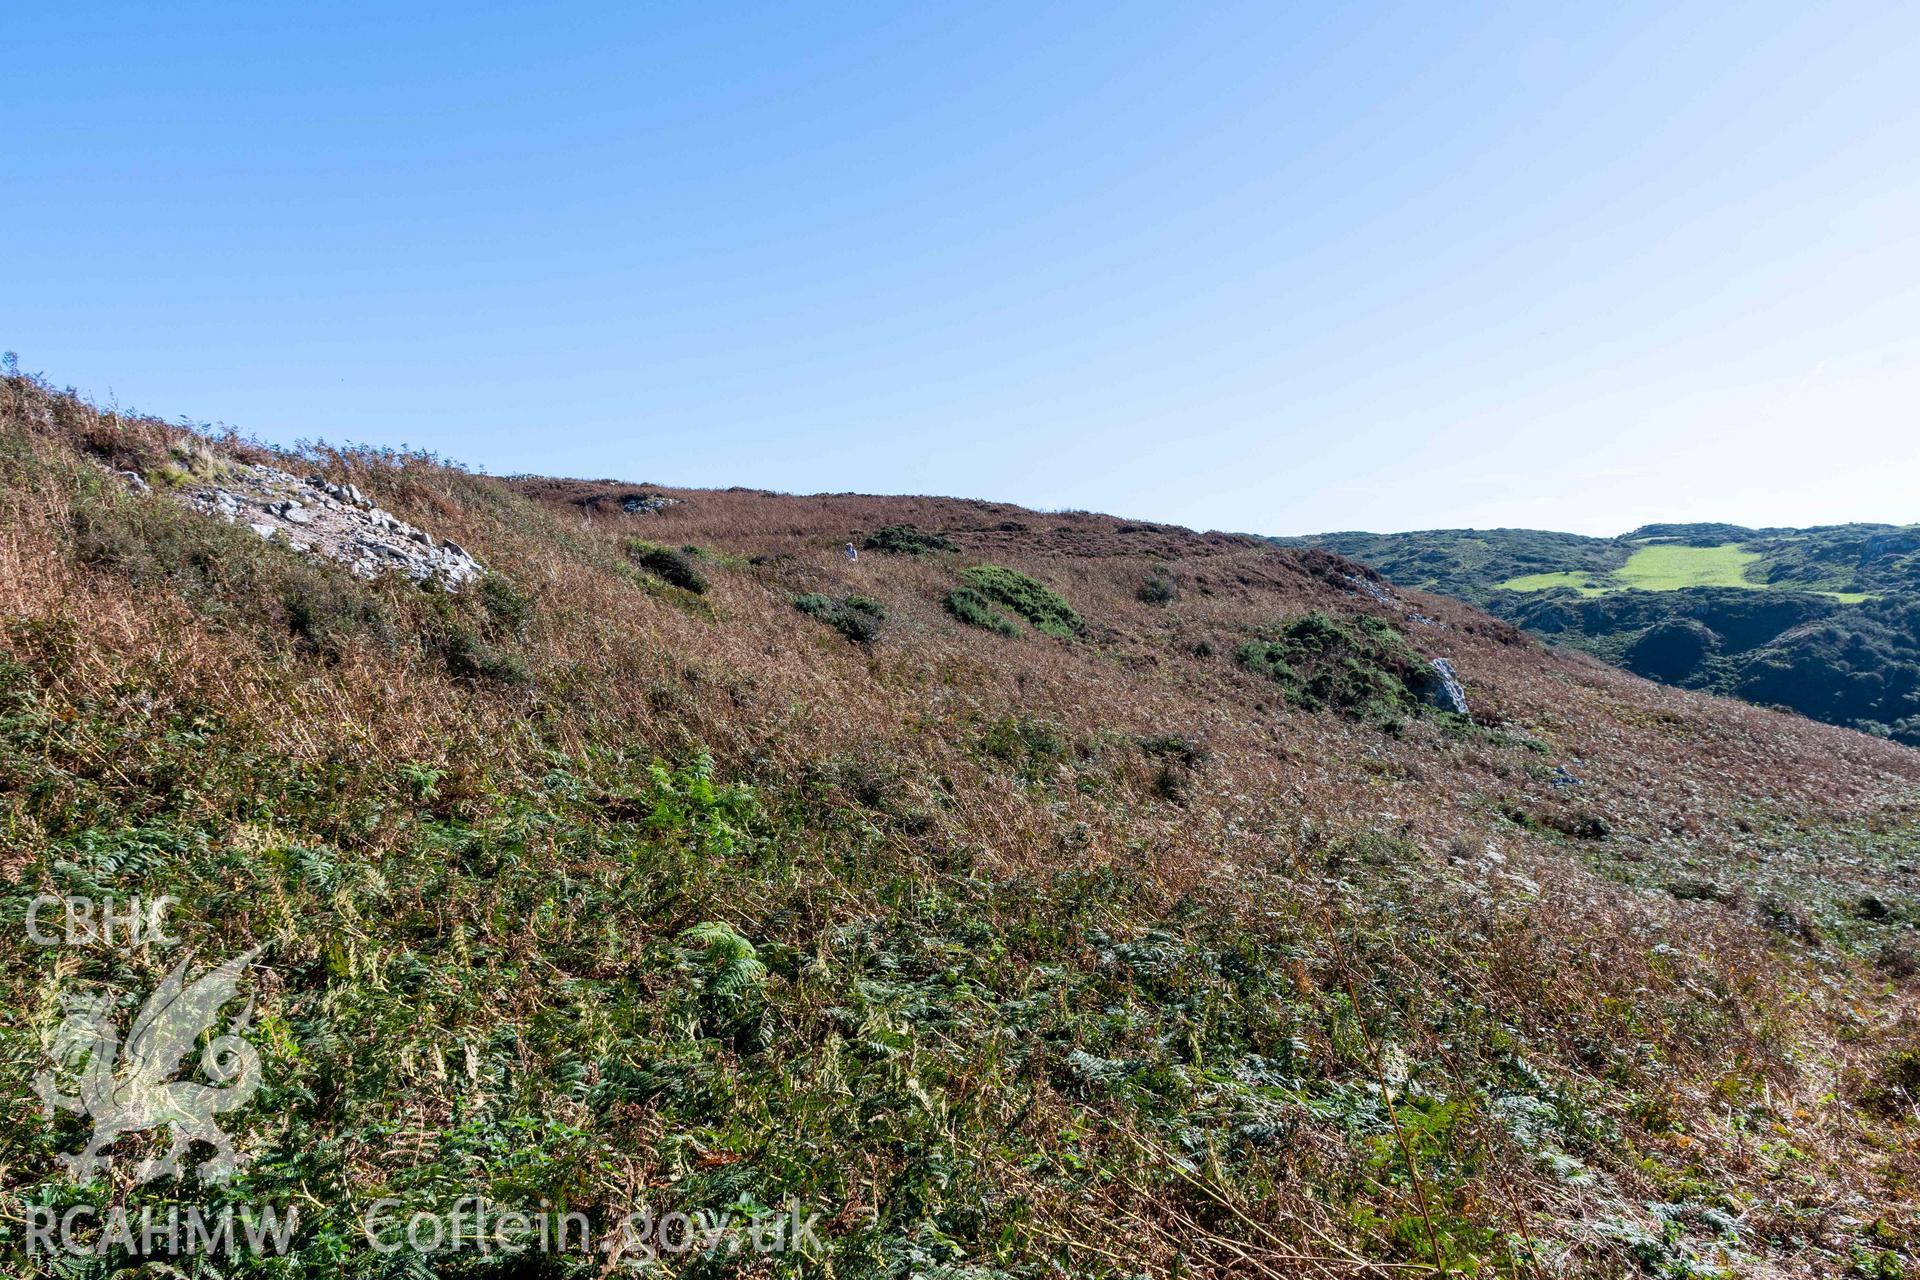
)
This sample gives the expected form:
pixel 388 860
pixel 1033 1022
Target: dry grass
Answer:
pixel 1758 1039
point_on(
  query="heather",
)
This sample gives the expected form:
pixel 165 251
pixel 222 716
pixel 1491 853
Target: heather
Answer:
pixel 1145 953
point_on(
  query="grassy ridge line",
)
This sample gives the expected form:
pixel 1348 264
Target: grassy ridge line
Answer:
pixel 1032 970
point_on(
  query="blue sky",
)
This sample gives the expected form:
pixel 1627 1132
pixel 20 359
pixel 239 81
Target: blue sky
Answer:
pixel 1246 266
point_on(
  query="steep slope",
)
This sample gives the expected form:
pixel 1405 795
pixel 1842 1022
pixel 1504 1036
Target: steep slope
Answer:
pixel 1825 621
pixel 1049 894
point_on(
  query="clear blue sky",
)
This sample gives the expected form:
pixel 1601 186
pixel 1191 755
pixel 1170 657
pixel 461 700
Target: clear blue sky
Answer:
pixel 1247 266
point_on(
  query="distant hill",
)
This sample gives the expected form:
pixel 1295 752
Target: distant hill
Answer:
pixel 1824 621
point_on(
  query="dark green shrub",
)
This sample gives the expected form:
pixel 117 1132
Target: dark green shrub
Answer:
pixel 324 606
pixel 1157 589
pixel 905 540
pixel 1179 758
pixel 976 610
pixel 471 658
pixel 1581 826
pixel 1701 889
pixel 855 617
pixel 1792 918
pixel 1361 667
pixel 1033 600
pixel 508 608
pixel 1174 747
pixel 873 781
pixel 1899 957
pixel 657 587
pixel 1033 747
pixel 1896 1090
pixel 670 566
pixel 226 571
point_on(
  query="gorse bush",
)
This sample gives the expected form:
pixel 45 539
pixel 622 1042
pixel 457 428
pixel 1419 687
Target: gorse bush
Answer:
pixel 1180 758
pixel 472 658
pixel 325 608
pixel 1177 747
pixel 856 617
pixel 1360 666
pixel 976 610
pixel 905 540
pixel 1039 604
pixel 508 608
pixel 1157 589
pixel 673 567
pixel 1034 747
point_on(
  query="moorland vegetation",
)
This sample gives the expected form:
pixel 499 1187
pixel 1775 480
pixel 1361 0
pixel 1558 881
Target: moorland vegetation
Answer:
pixel 681 862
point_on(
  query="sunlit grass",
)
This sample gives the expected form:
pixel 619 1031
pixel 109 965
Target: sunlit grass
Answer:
pixel 1659 567
pixel 1669 568
pixel 1585 583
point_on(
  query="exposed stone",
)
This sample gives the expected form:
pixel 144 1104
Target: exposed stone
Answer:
pixel 1379 593
pixel 337 522
pixel 1446 691
pixel 1370 589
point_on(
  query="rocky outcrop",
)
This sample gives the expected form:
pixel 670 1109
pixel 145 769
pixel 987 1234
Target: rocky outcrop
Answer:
pixel 1367 587
pixel 319 518
pixel 1379 594
pixel 595 497
pixel 1446 692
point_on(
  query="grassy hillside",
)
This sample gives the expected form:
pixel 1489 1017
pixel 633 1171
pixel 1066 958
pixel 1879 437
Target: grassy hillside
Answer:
pixel 1823 621
pixel 679 863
